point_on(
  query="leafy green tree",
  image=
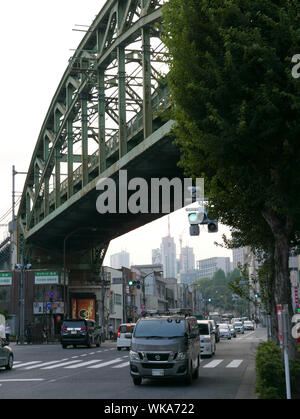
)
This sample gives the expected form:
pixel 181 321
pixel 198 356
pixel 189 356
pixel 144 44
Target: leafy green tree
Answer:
pixel 238 111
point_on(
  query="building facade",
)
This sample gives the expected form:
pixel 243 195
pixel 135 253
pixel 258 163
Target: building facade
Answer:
pixel 208 267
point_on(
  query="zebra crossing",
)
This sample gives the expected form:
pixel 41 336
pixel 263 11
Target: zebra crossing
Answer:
pixel 74 362
pixel 116 363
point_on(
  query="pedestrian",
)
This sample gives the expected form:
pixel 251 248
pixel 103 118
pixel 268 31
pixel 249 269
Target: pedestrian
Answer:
pixel 111 331
pixel 45 336
pixel 7 332
pixel 28 334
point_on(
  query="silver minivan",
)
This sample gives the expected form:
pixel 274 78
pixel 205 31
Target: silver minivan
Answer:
pixel 164 347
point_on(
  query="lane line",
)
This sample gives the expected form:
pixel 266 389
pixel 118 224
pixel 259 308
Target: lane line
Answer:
pixel 12 380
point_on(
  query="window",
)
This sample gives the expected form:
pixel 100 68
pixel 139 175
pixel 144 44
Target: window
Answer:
pixel 118 299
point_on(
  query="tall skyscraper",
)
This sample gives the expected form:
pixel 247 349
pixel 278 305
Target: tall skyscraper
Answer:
pixel 168 257
pixel 120 259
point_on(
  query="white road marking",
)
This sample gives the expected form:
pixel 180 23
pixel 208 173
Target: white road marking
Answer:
pixel 21 380
pixel 83 364
pixel 60 365
pixel 104 364
pixel 213 364
pixel 44 364
pixel 235 363
pixel 26 363
pixel 125 364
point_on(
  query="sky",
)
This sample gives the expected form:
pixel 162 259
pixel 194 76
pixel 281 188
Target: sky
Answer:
pixel 37 38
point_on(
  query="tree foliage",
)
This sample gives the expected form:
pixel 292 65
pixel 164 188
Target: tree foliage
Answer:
pixel 238 111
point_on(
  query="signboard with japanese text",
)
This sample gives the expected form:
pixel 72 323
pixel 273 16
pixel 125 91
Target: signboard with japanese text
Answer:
pixel 5 278
pixel 50 277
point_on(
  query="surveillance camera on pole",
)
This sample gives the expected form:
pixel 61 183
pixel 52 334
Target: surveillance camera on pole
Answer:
pixel 198 216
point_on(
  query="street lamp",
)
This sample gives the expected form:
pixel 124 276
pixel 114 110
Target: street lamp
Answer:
pixel 20 267
pixel 143 285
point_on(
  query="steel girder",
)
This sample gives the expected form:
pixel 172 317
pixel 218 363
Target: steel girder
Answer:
pixel 104 106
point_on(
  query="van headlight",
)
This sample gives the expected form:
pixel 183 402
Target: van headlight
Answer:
pixel 133 355
pixel 181 356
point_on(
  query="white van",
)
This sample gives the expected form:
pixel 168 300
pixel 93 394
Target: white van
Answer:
pixel 207 337
pixel 124 336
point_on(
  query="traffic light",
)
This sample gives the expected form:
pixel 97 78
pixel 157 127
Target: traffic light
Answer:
pixel 298 308
pixel 134 284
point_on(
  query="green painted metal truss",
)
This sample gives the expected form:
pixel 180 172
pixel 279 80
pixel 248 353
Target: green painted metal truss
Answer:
pixel 104 106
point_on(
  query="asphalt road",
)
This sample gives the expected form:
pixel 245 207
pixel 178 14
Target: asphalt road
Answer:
pixel 50 372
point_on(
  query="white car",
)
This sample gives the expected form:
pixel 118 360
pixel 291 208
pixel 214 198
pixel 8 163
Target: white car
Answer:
pixel 248 325
pixel 207 337
pixel 124 336
pixel 224 331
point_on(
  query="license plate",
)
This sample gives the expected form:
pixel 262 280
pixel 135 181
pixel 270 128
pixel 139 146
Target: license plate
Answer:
pixel 158 373
pixel 73 332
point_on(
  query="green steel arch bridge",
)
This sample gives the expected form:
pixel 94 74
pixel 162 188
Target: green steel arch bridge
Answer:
pixel 105 116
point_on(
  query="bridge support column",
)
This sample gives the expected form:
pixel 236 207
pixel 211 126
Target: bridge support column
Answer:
pixel 147 106
pixel 101 120
pixel 122 103
pixel 84 127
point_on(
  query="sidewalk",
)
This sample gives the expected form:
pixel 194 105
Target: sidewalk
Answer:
pixel 247 388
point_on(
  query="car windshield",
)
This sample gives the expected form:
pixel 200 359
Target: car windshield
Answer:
pixel 126 328
pixel 223 326
pixel 160 328
pixel 74 323
pixel 203 328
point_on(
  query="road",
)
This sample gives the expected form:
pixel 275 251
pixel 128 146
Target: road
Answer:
pixel 50 372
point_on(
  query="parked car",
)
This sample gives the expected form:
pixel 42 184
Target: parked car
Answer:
pixel 125 335
pixel 80 332
pixel 207 337
pixel 232 330
pixel 224 331
pixel 165 347
pixel 248 325
pixel 239 327
pixel 6 355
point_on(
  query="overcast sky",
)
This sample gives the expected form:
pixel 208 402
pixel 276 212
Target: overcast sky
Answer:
pixel 37 39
